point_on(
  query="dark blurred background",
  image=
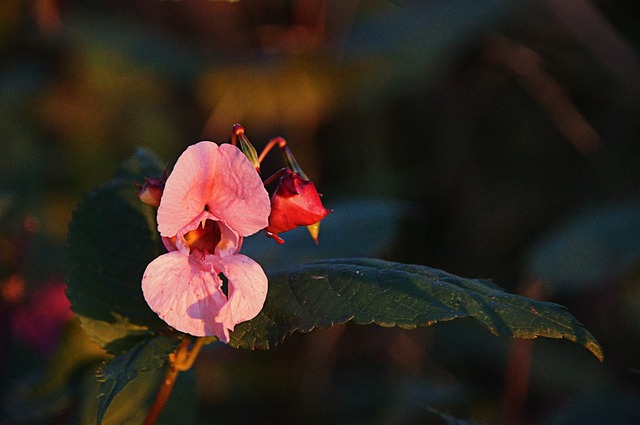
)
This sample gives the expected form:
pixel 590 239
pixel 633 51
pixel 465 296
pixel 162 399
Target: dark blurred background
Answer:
pixel 494 139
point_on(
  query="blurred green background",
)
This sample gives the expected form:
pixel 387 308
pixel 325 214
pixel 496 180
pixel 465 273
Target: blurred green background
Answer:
pixel 494 139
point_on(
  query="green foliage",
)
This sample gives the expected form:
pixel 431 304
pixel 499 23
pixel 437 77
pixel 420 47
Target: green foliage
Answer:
pixel 113 237
pixel 131 405
pixel 366 291
pixel 146 356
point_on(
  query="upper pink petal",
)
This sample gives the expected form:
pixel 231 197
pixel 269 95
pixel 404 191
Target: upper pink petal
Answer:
pixel 238 196
pixel 247 290
pixel 187 296
pixel 220 179
pixel 187 188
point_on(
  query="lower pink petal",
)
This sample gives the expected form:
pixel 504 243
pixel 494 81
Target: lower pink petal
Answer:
pixel 185 295
pixel 247 290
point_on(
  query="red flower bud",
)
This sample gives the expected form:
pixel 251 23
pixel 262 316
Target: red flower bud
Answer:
pixel 151 191
pixel 294 203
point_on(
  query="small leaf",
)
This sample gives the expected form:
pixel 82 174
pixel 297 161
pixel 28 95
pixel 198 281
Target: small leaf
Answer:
pixel 329 292
pixel 149 354
pixel 589 249
pixel 112 238
pixel 108 334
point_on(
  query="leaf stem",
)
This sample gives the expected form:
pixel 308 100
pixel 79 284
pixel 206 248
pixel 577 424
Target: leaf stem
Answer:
pixel 181 360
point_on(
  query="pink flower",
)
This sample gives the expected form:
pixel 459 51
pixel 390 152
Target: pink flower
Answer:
pixel 213 198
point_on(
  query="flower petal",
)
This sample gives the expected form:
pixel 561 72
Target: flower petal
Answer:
pixel 187 189
pixel 219 179
pixel 230 242
pixel 186 295
pixel 238 197
pixel 247 290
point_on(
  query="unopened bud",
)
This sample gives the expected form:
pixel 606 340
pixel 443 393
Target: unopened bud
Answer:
pixel 295 203
pixel 151 191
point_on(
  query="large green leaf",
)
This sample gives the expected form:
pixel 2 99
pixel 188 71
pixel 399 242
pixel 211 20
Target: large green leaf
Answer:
pixel 112 237
pixel 367 291
pixel 146 356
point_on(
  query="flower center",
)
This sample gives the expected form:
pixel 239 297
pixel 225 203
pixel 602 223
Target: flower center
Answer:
pixel 205 237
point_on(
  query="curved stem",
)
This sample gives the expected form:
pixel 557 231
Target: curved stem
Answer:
pixel 281 142
pixel 180 361
pixel 274 177
pixel 189 357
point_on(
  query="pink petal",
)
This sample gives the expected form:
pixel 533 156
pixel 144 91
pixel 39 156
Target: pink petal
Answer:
pixel 220 178
pixel 184 294
pixel 170 246
pixel 247 290
pixel 187 188
pixel 238 197
pixel 230 243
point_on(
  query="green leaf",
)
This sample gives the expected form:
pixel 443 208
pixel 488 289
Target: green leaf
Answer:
pixel 366 291
pixel 147 355
pixel 112 238
pixel 113 336
pixel 589 249
pixel 132 404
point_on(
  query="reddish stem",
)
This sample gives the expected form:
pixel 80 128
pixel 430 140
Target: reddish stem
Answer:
pixel 275 176
pixel 281 142
pixel 179 361
pixel 163 395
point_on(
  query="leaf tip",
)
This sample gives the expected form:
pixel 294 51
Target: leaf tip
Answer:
pixel 596 350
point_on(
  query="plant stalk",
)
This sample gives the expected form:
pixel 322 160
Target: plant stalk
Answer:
pixel 163 395
pixel 179 361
